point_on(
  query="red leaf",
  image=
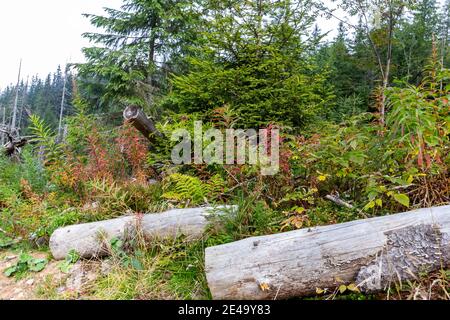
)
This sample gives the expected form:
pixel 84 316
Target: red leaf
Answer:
pixel 420 158
pixel 428 160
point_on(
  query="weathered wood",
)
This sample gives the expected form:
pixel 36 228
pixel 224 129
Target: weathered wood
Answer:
pixel 16 100
pixel 141 122
pixel 92 239
pixel 61 109
pixel 338 201
pixel 14 144
pixel 12 147
pixel 2 134
pixel 372 253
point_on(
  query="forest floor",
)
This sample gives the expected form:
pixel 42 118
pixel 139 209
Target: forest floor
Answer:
pixel 50 283
pixel 84 278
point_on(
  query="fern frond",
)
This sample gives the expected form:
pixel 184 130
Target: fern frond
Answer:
pixel 180 187
pixel 45 138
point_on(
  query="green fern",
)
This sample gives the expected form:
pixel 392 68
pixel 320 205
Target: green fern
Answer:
pixel 184 188
pixel 216 186
pixel 45 138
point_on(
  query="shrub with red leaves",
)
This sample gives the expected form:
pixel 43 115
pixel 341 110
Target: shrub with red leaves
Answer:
pixel 134 147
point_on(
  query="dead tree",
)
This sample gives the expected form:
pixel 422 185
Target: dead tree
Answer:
pixel 13 145
pixel 16 100
pixel 136 117
pixel 3 125
pixel 61 110
pixel 24 99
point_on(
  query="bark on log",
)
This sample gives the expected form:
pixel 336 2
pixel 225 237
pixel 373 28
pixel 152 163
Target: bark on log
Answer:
pixel 141 122
pixel 92 239
pixel 372 253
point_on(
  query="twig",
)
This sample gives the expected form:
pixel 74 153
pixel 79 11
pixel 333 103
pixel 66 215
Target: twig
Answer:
pixel 339 201
pixel 403 187
pixel 237 186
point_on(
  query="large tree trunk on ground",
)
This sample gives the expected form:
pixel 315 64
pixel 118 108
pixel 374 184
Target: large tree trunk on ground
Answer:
pixel 141 122
pixel 372 253
pixel 92 239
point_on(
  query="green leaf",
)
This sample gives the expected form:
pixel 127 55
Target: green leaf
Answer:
pixel 72 257
pixel 6 242
pixel 402 199
pixel 136 264
pixel 24 258
pixel 356 157
pixel 342 288
pixel 37 265
pixel 65 266
pixel 10 271
pixel 352 287
pixel 370 205
pixel 116 243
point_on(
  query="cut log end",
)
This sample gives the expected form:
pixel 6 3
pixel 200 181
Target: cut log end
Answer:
pixel 131 113
pixel 134 115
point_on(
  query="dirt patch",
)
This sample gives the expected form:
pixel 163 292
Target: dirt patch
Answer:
pixel 50 282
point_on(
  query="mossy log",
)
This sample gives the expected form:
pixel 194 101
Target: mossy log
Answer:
pixel 371 253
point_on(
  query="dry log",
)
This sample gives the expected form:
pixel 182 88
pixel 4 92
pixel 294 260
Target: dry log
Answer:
pixel 141 122
pixel 92 239
pixel 372 253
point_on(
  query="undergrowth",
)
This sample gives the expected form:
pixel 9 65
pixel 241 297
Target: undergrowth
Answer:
pixel 100 172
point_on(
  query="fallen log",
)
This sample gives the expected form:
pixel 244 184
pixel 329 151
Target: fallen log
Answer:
pixel 92 239
pixel 134 115
pixel 371 253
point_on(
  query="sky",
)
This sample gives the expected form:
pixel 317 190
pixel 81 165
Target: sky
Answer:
pixel 44 33
pixel 47 33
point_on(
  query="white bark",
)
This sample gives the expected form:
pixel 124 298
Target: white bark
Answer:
pixel 16 101
pixel 92 239
pixel 24 100
pixel 61 110
pixel 3 125
pixel 372 253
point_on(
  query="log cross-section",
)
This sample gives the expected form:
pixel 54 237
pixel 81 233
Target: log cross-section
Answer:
pixel 372 253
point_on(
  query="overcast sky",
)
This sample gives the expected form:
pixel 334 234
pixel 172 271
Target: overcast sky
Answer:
pixel 45 33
